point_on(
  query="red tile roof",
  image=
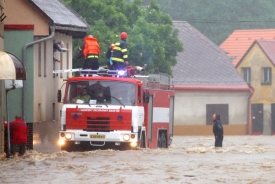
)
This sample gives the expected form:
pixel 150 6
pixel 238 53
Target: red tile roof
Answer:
pixel 239 42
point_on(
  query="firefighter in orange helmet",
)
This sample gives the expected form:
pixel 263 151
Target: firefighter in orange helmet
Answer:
pixel 119 55
pixel 90 51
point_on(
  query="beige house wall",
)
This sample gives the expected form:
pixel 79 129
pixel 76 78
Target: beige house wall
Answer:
pixel 46 107
pixel 25 15
pixel 256 59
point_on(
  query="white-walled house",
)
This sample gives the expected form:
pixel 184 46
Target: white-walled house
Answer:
pixel 206 82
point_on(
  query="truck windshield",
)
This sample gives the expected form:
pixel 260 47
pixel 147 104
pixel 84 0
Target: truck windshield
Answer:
pixel 101 92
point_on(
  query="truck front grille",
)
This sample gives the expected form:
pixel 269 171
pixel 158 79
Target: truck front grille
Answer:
pixel 98 124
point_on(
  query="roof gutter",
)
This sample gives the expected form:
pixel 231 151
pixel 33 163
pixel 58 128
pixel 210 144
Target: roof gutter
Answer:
pixel 24 95
pixel 211 88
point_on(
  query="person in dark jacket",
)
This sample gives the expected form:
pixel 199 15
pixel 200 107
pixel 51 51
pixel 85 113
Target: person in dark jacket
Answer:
pixel 119 54
pixel 217 130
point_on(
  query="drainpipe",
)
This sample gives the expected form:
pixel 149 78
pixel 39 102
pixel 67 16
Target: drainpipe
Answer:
pixel 249 119
pixel 24 61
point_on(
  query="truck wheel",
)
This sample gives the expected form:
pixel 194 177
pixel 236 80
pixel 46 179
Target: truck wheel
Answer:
pixel 85 146
pixel 69 147
pixel 125 146
pixel 162 139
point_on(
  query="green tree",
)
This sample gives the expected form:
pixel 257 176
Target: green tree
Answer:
pixel 151 37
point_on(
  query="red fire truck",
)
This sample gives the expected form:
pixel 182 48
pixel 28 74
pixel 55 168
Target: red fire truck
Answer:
pixel 116 109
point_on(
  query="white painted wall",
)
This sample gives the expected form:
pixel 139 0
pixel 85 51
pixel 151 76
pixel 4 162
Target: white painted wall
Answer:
pixel 190 107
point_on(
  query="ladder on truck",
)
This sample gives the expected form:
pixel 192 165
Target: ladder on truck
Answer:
pixel 128 72
pixel 89 72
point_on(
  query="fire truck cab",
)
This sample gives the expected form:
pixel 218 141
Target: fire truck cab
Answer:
pixel 117 110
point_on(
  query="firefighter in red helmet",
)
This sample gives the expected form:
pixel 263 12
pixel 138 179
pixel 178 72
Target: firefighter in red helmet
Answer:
pixel 123 35
pixel 119 54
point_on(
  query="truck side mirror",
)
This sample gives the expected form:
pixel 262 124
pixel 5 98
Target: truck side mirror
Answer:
pixel 146 97
pixel 59 95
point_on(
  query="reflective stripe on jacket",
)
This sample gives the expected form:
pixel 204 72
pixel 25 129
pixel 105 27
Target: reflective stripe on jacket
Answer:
pixel 120 51
pixel 91 47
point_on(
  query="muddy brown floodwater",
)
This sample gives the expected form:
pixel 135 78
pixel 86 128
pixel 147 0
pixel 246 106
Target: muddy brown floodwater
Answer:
pixel 190 159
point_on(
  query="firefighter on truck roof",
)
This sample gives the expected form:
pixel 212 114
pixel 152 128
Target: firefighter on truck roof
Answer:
pixel 90 51
pixel 119 54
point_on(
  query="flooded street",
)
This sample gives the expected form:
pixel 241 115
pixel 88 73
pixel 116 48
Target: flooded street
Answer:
pixel 190 159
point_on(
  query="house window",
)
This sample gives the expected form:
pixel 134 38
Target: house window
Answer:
pixel 39 110
pixel 67 66
pixel 39 60
pixel 54 75
pixel 266 75
pixel 221 109
pixel 247 75
pixel 61 64
pixel 53 113
pixel 45 59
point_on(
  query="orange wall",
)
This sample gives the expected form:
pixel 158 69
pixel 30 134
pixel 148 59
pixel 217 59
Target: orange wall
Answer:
pixel 207 130
pixel 28 15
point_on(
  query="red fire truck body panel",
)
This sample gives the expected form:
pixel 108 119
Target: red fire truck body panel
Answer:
pixel 160 121
pixel 98 119
pixel 155 134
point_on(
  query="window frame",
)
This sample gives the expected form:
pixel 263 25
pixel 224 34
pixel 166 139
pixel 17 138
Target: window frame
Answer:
pixel 246 71
pixel 266 78
pixel 222 109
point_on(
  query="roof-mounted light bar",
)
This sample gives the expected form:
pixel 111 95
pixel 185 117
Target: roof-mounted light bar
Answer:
pixel 105 72
pixel 102 71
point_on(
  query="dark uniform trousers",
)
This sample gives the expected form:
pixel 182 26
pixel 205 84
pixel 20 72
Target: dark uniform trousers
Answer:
pixel 218 141
pixel 91 62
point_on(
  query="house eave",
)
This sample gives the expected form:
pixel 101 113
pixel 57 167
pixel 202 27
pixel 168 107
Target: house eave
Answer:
pixel 76 32
pixel 213 88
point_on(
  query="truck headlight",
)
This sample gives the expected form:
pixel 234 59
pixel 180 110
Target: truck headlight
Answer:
pixel 68 136
pixel 133 144
pixel 126 137
pixel 61 142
